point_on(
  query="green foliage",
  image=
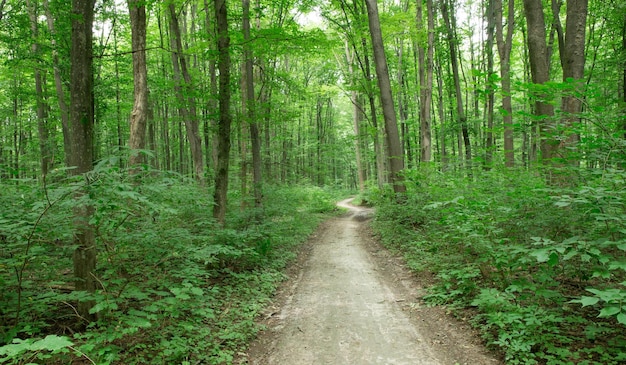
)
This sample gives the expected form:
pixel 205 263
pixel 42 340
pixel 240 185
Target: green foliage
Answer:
pixel 541 263
pixel 174 286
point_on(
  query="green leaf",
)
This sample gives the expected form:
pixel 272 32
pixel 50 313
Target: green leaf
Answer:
pixel 542 255
pixel 618 265
pixel 609 311
pixel 51 343
pixel 621 318
pixel 587 301
pixel 553 259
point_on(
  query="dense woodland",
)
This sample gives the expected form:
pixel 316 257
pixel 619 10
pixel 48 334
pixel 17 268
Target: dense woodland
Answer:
pixel 162 161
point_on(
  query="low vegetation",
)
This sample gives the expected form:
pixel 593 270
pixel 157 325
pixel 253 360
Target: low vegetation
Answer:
pixel 174 288
pixel 541 267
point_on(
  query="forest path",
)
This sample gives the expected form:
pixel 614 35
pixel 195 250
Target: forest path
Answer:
pixel 349 301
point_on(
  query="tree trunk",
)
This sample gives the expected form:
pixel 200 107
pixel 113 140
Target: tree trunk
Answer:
pixel 212 101
pixel 378 150
pixel 461 116
pixel 573 64
pixel 58 82
pixel 356 119
pixel 425 57
pixel 42 107
pixel 185 92
pixel 394 148
pixel 489 143
pixel 540 72
pixel 82 122
pixel 223 132
pixel 250 108
pixel 139 114
pixel 504 51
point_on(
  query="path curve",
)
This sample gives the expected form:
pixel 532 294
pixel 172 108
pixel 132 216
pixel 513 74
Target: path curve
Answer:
pixel 345 307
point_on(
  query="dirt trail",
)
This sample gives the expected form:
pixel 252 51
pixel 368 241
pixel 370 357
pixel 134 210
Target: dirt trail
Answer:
pixel 350 302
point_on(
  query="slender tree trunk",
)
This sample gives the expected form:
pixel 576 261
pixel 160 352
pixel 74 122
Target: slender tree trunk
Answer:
pixel 250 108
pixel 573 64
pixel 42 107
pixel 378 150
pixel 441 109
pixel 185 92
pixel 425 59
pixel 489 145
pixel 139 114
pixel 82 123
pixel 540 72
pixel 223 132
pixel 461 116
pixel 396 162
pixel 356 119
pixel 58 82
pixel 505 44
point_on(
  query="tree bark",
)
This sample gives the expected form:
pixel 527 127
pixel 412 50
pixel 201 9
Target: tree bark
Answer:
pixel 394 147
pixel 223 132
pixel 42 108
pixel 540 73
pixel 58 82
pixel 573 64
pixel 356 119
pixel 461 116
pixel 82 123
pixel 425 59
pixel 489 143
pixel 504 51
pixel 250 108
pixel 139 114
pixel 185 92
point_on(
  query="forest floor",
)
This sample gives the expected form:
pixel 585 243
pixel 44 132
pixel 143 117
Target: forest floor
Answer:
pixel 350 301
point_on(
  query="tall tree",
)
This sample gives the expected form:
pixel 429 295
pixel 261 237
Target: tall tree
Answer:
pixel 223 128
pixel 139 114
pixel 540 72
pixel 42 108
pixel 82 131
pixel 357 114
pixel 572 50
pixel 425 59
pixel 185 94
pixel 505 44
pixel 59 87
pixel 490 89
pixel 250 107
pixel 450 22
pixel 394 147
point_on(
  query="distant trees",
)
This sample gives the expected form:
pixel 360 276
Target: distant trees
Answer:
pixel 447 65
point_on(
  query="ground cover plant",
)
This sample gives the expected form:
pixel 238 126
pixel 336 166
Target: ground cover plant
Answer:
pixel 173 286
pixel 542 266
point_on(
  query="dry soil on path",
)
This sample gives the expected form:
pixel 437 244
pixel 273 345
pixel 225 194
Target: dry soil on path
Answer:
pixel 349 301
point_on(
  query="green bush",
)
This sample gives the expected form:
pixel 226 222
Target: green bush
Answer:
pixel 541 263
pixel 175 287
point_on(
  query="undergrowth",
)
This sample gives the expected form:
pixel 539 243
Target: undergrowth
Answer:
pixel 175 288
pixel 543 267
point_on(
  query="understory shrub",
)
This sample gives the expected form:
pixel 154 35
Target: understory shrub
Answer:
pixel 544 265
pixel 174 287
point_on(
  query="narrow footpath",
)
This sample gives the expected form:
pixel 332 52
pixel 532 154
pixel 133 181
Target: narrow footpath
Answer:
pixel 351 302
